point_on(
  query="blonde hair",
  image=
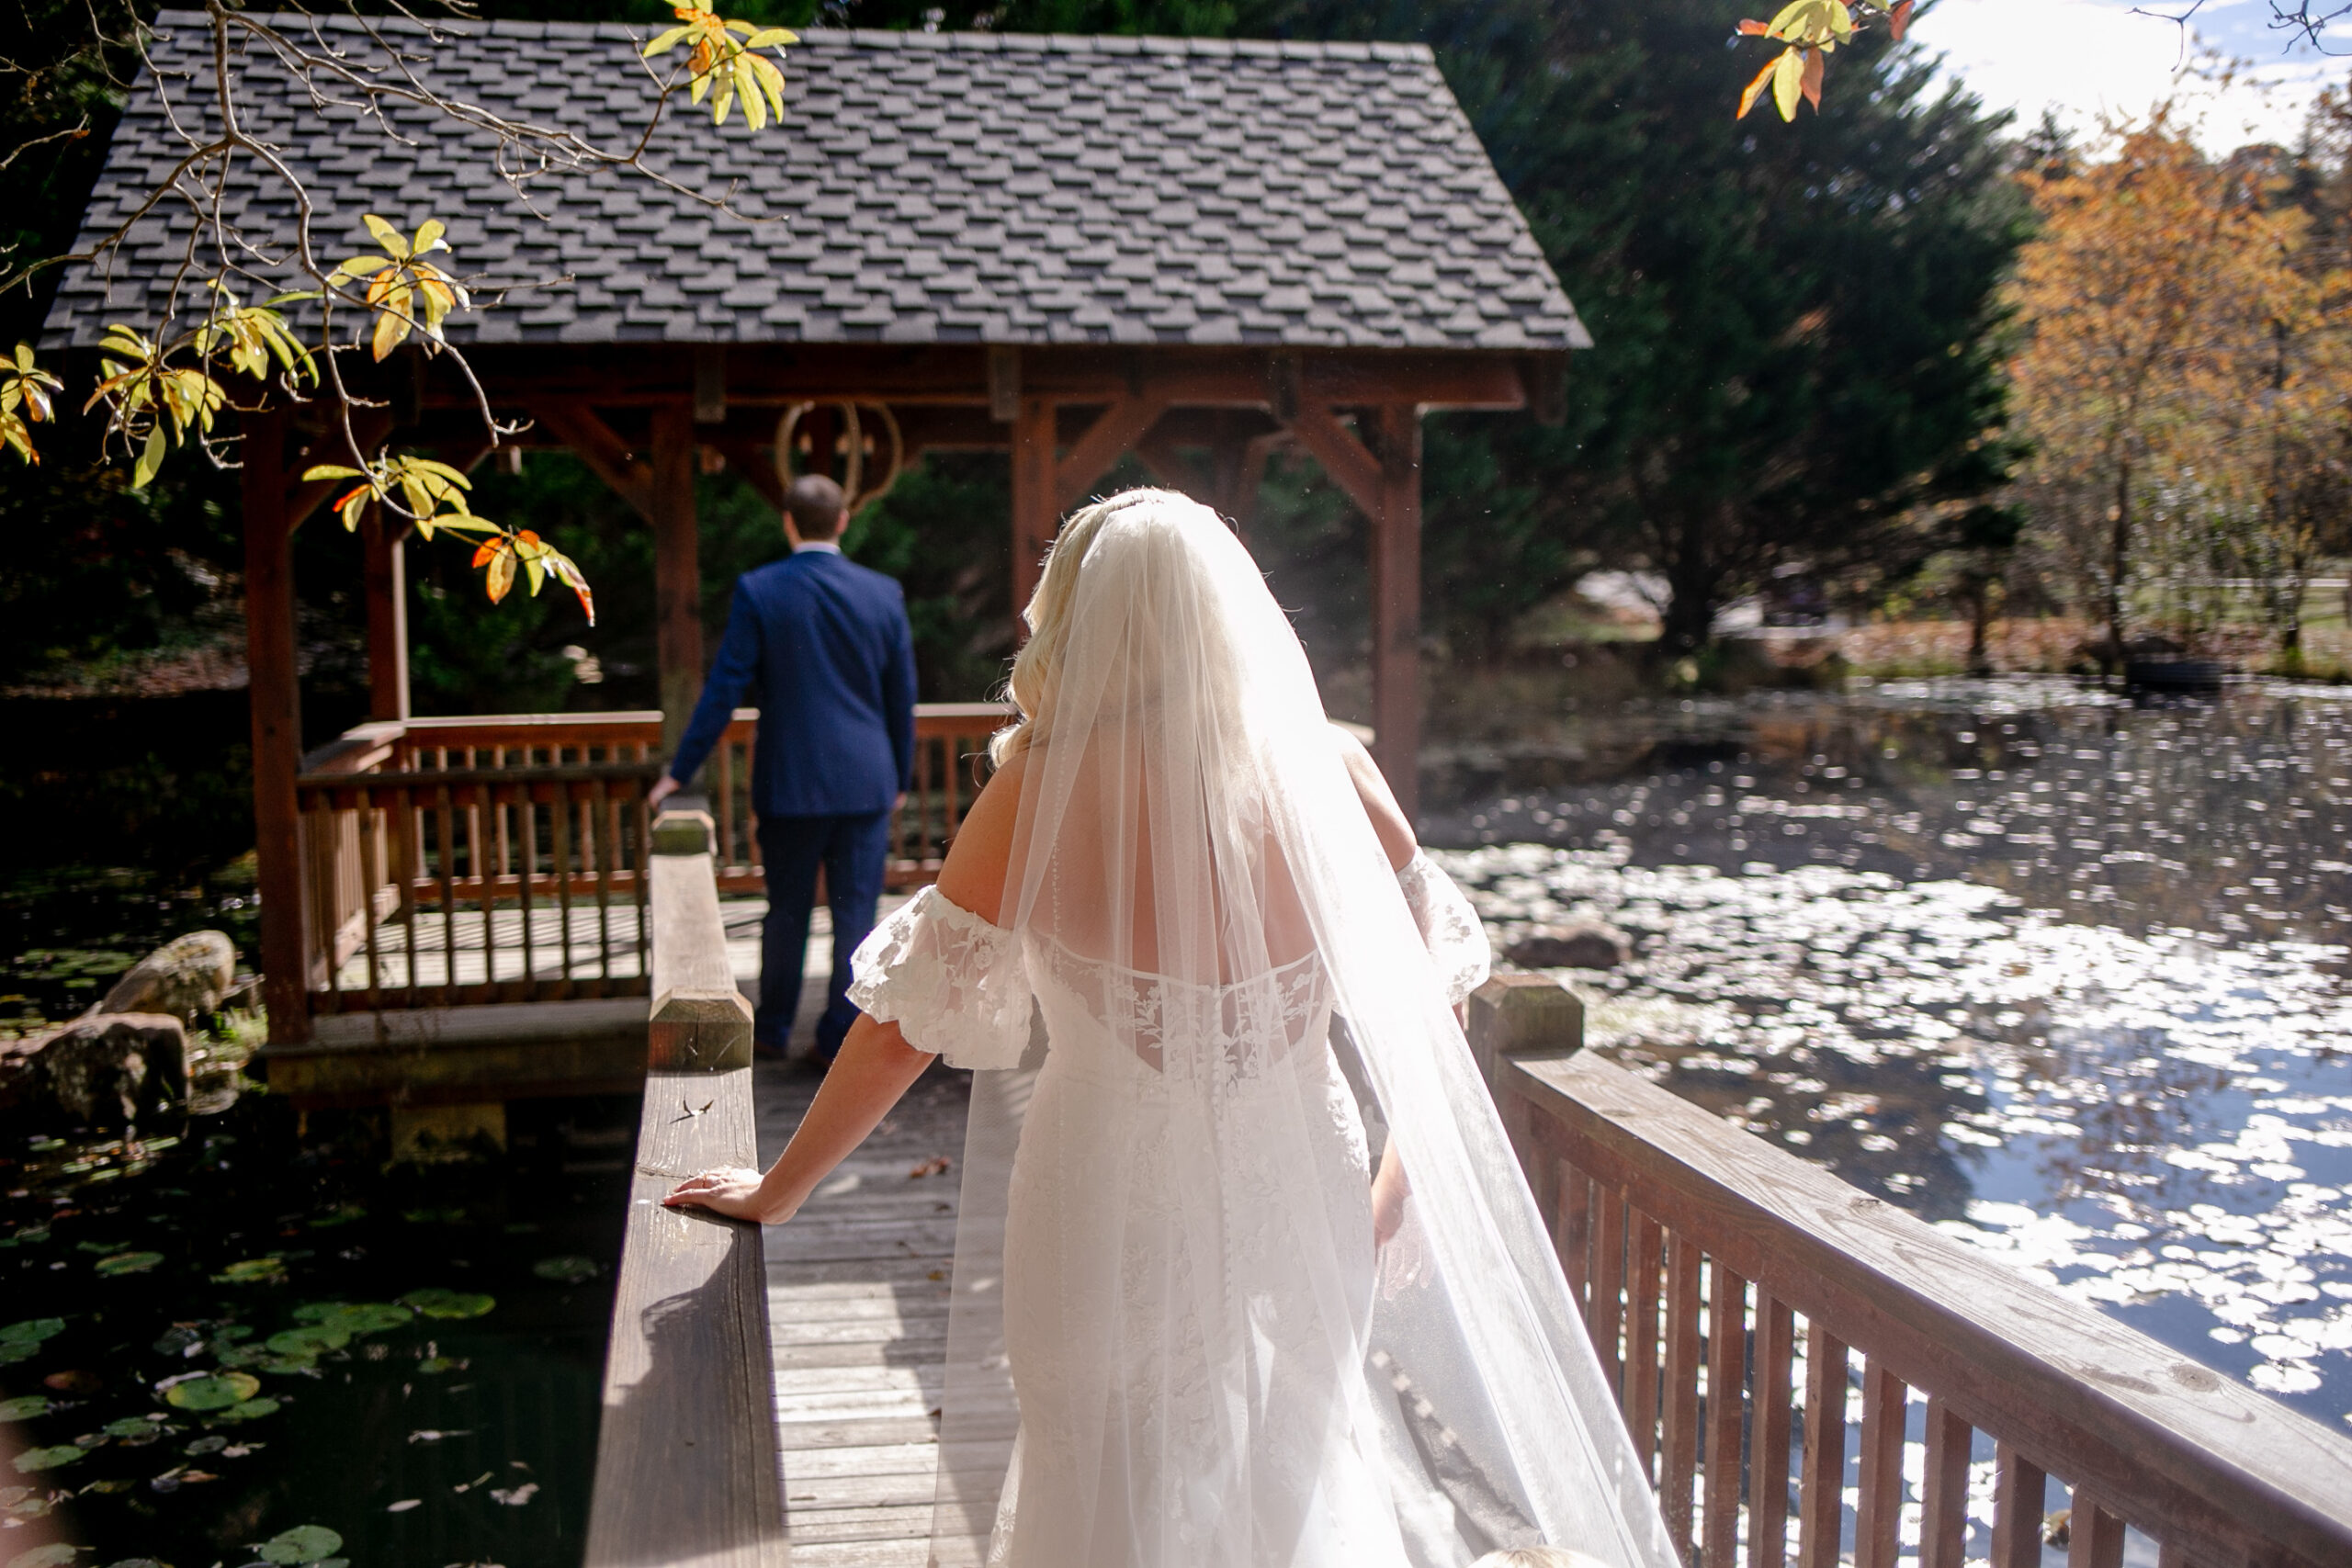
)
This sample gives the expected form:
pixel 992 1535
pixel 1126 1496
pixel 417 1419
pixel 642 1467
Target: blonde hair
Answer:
pixel 1537 1557
pixel 1037 669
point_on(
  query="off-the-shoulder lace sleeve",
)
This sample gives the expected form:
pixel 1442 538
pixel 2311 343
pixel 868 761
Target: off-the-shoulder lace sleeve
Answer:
pixel 954 985
pixel 1450 927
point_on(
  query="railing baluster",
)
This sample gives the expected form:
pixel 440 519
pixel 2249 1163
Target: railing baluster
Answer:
pixel 600 806
pixel 1877 1517
pixel 2020 1492
pixel 371 853
pixel 1944 1519
pixel 1726 1388
pixel 1646 1257
pixel 643 821
pixel 1681 1465
pixel 489 835
pixel 2094 1535
pixel 526 830
pixel 1768 1447
pixel 408 851
pixel 1604 1314
pixel 1573 1235
pixel 559 811
pixel 322 899
pixel 446 811
pixel 1821 1483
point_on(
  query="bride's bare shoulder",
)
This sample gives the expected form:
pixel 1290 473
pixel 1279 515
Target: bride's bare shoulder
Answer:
pixel 973 875
pixel 1379 801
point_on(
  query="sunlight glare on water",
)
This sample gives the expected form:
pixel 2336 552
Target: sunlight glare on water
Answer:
pixel 2062 977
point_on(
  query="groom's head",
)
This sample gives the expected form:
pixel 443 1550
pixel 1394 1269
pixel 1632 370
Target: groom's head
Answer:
pixel 814 509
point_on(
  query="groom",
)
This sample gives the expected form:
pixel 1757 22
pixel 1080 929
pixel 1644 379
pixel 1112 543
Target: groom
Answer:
pixel 826 644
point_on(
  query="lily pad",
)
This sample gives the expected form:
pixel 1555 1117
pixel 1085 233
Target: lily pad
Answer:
pixel 34 1461
pixel 245 1355
pixel 129 1262
pixel 133 1427
pixel 248 1410
pixel 23 1409
pixel 75 1382
pixel 303 1544
pixel 341 1214
pixel 12 1350
pixel 32 1330
pixel 97 1246
pixel 434 1365
pixel 569 1270
pixel 353 1317
pixel 267 1270
pixel 310 1340
pixel 288 1366
pixel 217 1392
pixel 55 1555
pixel 438 1303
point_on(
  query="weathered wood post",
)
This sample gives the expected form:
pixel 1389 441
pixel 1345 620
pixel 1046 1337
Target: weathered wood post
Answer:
pixel 1396 606
pixel 686 1460
pixel 273 689
pixel 387 589
pixel 678 570
pixel 1528 1016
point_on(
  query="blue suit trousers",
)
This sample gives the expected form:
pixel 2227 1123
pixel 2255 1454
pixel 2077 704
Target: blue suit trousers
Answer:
pixel 854 851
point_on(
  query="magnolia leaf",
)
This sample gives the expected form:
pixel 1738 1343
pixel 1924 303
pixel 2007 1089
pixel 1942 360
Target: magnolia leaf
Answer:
pixel 1788 81
pixel 1899 19
pixel 330 471
pixel 391 326
pixel 1812 82
pixel 664 43
pixel 428 237
pixel 386 236
pixel 151 457
pixel 1755 89
pixel 501 578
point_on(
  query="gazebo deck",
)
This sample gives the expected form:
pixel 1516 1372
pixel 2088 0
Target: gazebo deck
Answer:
pixel 858 1317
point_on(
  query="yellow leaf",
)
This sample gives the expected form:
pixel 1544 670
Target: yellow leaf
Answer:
pixel 502 575
pixel 1755 89
pixel 664 43
pixel 391 328
pixel 1787 82
pixel 428 237
pixel 386 236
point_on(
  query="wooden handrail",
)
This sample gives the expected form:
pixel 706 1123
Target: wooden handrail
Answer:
pixel 2216 1472
pixel 686 1466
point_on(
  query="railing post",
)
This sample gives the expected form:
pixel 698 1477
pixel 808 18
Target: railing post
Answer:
pixel 700 1022
pixel 687 1458
pixel 1521 1015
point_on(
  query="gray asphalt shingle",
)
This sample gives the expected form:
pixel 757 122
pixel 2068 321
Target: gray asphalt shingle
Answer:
pixel 923 187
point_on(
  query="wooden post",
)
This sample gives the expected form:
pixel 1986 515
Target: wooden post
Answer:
pixel 677 572
pixel 1396 606
pixel 387 585
pixel 276 695
pixel 1034 475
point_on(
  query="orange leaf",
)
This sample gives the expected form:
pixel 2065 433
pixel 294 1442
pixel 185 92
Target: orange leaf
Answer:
pixel 1756 88
pixel 1753 28
pixel 1897 21
pixel 1811 87
pixel 527 537
pixel 490 548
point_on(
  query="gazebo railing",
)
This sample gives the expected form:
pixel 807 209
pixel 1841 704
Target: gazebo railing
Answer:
pixel 1744 1302
pixel 501 859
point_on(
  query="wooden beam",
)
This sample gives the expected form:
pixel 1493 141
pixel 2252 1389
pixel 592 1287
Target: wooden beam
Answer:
pixel 958 374
pixel 678 570
pixel 752 460
pixel 387 588
pixel 1168 464
pixel 580 427
pixel 369 428
pixel 1397 606
pixel 1351 467
pixel 1005 384
pixel 276 695
pixel 1115 430
pixel 1033 499
pixel 710 383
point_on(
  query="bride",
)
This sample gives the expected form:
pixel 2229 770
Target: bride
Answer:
pixel 1246 1273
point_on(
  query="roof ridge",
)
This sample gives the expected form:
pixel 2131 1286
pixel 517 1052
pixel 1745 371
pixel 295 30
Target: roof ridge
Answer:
pixel 883 38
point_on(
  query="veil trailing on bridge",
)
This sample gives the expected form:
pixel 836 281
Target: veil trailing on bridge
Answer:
pixel 1165 1245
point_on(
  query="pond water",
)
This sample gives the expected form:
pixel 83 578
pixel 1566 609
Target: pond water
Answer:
pixel 2065 975
pixel 245 1338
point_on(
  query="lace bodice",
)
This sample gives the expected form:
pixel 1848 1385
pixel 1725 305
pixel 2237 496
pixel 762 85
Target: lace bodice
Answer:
pixel 961 988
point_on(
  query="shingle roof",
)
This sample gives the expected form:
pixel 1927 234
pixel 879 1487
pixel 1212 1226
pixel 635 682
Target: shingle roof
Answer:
pixel 943 187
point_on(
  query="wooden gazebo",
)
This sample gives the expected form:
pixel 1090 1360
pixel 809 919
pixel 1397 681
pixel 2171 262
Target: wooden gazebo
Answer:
pixel 1072 248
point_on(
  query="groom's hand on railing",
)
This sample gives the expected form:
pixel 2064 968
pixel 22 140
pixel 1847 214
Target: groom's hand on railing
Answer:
pixel 663 788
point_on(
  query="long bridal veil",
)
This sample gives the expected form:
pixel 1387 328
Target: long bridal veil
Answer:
pixel 1236 1379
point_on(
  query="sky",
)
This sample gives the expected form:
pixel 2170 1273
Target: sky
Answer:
pixel 2120 56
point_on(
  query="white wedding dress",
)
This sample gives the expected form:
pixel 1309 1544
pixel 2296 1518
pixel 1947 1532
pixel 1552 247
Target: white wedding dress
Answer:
pixel 1171 1344
pixel 1102 1148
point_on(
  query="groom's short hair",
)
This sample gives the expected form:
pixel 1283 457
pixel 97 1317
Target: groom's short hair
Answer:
pixel 816 505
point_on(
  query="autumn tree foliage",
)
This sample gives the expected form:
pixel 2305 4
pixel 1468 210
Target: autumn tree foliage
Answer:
pixel 2181 377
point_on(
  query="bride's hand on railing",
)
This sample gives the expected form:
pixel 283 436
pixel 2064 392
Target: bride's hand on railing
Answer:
pixel 734 1191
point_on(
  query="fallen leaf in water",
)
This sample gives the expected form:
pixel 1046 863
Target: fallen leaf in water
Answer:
pixel 404 1504
pixel 428 1435
pixel 515 1497
pixel 937 1165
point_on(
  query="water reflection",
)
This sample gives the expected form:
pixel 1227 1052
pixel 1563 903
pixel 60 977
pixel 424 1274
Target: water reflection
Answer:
pixel 2059 974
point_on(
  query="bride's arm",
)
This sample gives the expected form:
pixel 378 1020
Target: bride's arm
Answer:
pixel 875 1067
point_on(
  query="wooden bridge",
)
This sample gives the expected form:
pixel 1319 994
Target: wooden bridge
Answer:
pixel 1813 1376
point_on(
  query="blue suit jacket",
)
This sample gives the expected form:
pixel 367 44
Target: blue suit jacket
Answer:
pixel 823 645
